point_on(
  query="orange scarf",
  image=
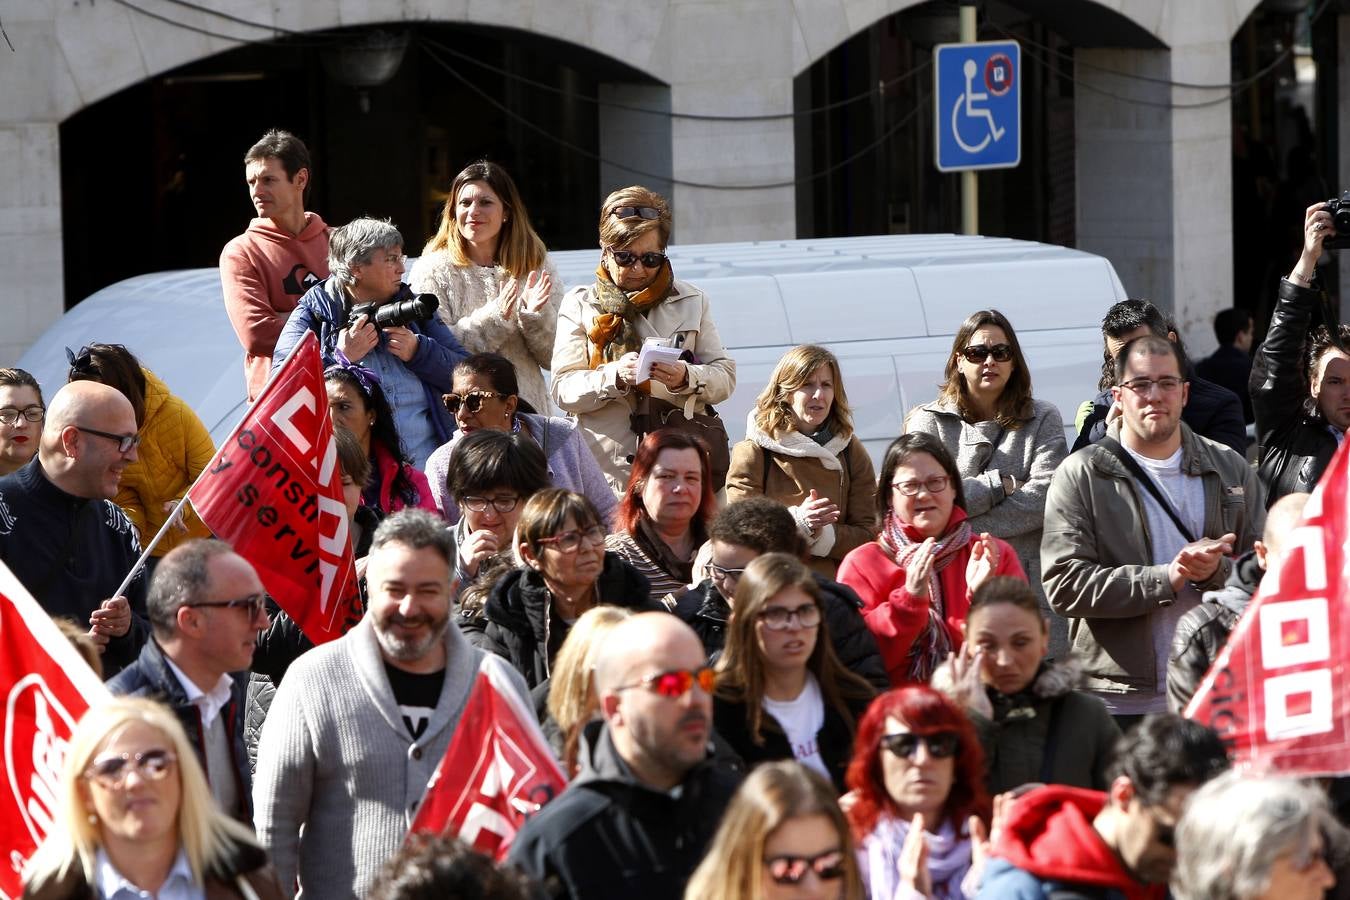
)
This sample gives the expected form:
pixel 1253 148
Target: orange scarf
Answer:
pixel 612 334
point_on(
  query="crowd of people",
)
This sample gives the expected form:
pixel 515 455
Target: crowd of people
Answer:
pixel 768 670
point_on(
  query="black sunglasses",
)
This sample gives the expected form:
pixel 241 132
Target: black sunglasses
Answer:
pixel 626 258
pixel 940 745
pixel 792 869
pixel 635 212
pixel 978 353
pixel 472 401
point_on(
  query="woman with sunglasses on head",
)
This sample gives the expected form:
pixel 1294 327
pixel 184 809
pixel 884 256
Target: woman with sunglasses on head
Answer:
pixel 1034 725
pixel 782 837
pixel 601 329
pixel 134 817
pixel 664 514
pixel 800 449
pixel 1007 443
pixel 486 395
pixel 498 291
pixel 919 807
pixel 173 448
pixel 916 578
pixel 781 692
pixel 356 401
pixel 21 415
pixel 565 571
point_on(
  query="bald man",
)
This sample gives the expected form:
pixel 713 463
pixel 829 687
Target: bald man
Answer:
pixel 637 819
pixel 1203 631
pixel 60 532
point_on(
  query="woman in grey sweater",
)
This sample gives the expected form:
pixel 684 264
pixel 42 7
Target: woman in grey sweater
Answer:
pixel 1006 444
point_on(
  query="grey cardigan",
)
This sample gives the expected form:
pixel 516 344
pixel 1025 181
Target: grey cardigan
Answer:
pixel 336 758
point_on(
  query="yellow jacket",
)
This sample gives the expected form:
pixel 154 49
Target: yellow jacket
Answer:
pixel 175 447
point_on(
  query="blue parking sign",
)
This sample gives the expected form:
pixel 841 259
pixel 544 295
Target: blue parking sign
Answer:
pixel 978 106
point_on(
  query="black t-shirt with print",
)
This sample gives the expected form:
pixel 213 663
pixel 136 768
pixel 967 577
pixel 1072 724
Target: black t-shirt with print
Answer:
pixel 416 696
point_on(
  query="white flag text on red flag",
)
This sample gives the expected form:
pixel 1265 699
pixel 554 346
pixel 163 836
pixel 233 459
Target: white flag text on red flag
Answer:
pixel 46 687
pixel 1278 693
pixel 274 493
pixel 496 773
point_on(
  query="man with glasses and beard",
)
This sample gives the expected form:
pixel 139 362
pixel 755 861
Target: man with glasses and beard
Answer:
pixel 1137 526
pixel 359 725
pixel 637 819
pixel 61 534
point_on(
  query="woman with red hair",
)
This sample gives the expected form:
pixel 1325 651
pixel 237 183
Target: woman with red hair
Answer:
pixel 920 810
pixel 662 519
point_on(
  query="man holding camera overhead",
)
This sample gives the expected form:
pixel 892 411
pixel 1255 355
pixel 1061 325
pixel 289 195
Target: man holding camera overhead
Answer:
pixel 364 313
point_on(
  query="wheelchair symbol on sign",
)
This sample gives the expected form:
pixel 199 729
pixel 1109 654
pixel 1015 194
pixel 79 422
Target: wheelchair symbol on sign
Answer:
pixel 966 102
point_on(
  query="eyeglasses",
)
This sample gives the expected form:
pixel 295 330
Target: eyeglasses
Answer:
pixel 1144 386
pixel 635 212
pixel 792 869
pixel 978 353
pixel 625 258
pixel 570 541
pixel 500 504
pixel 940 745
pixel 10 415
pixel 253 604
pixel 393 259
pixel 1310 856
pixel 111 771
pixel 779 618
pixel 721 574
pixel 124 441
pixel 675 683
pixel 472 401
pixel 935 485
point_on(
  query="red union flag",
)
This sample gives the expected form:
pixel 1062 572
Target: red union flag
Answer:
pixel 46 686
pixel 1278 693
pixel 273 492
pixel 496 773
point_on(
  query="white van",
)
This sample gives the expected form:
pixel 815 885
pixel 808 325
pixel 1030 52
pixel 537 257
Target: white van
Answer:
pixel 887 306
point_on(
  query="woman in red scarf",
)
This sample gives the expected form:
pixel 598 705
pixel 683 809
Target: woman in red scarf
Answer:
pixel 916 578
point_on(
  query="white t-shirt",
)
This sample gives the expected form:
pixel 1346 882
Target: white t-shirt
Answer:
pixel 801 719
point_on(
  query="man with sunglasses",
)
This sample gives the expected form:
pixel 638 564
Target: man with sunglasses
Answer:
pixel 1068 842
pixel 60 532
pixel 206 608
pixel 637 819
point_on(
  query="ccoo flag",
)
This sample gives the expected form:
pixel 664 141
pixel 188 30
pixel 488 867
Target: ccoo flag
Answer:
pixel 1278 693
pixel 273 491
pixel 46 687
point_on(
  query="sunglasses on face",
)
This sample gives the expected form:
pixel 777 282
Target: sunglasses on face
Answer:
pixel 10 415
pixel 124 441
pixel 570 541
pixel 978 353
pixel 675 683
pixel 779 618
pixel 626 258
pixel 111 771
pixel 940 745
pixel 635 212
pixel 792 869
pixel 253 604
pixel 472 401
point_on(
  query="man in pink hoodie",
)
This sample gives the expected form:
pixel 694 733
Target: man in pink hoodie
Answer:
pixel 266 270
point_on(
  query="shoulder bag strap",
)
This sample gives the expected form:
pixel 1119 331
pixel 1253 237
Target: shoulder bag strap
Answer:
pixel 1142 477
pixel 768 460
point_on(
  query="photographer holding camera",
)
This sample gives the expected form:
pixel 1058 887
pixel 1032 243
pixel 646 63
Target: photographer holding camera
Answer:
pixel 1300 382
pixel 366 313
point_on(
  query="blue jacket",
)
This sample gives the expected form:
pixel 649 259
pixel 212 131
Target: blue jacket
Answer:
pixel 150 676
pixel 323 310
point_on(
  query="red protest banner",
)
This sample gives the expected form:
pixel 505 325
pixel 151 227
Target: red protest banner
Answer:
pixel 1278 692
pixel 46 687
pixel 273 492
pixel 496 773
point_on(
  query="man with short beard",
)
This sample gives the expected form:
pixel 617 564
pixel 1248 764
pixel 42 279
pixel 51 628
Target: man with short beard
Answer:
pixel 637 819
pixel 359 725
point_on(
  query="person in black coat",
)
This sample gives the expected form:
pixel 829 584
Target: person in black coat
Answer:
pixel 750 528
pixel 1211 411
pixel 1300 383
pixel 781 694
pixel 566 571
pixel 1230 366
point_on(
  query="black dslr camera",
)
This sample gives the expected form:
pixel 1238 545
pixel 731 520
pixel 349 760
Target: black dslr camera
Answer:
pixel 1340 220
pixel 404 308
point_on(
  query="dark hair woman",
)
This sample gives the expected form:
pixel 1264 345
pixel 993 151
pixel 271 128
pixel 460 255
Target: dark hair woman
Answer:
pixel 920 808
pixel 488 267
pixel 781 692
pixel 21 415
pixel 915 579
pixel 1007 443
pixel 664 514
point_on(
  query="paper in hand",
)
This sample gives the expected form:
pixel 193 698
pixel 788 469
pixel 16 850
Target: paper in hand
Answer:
pixel 654 350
